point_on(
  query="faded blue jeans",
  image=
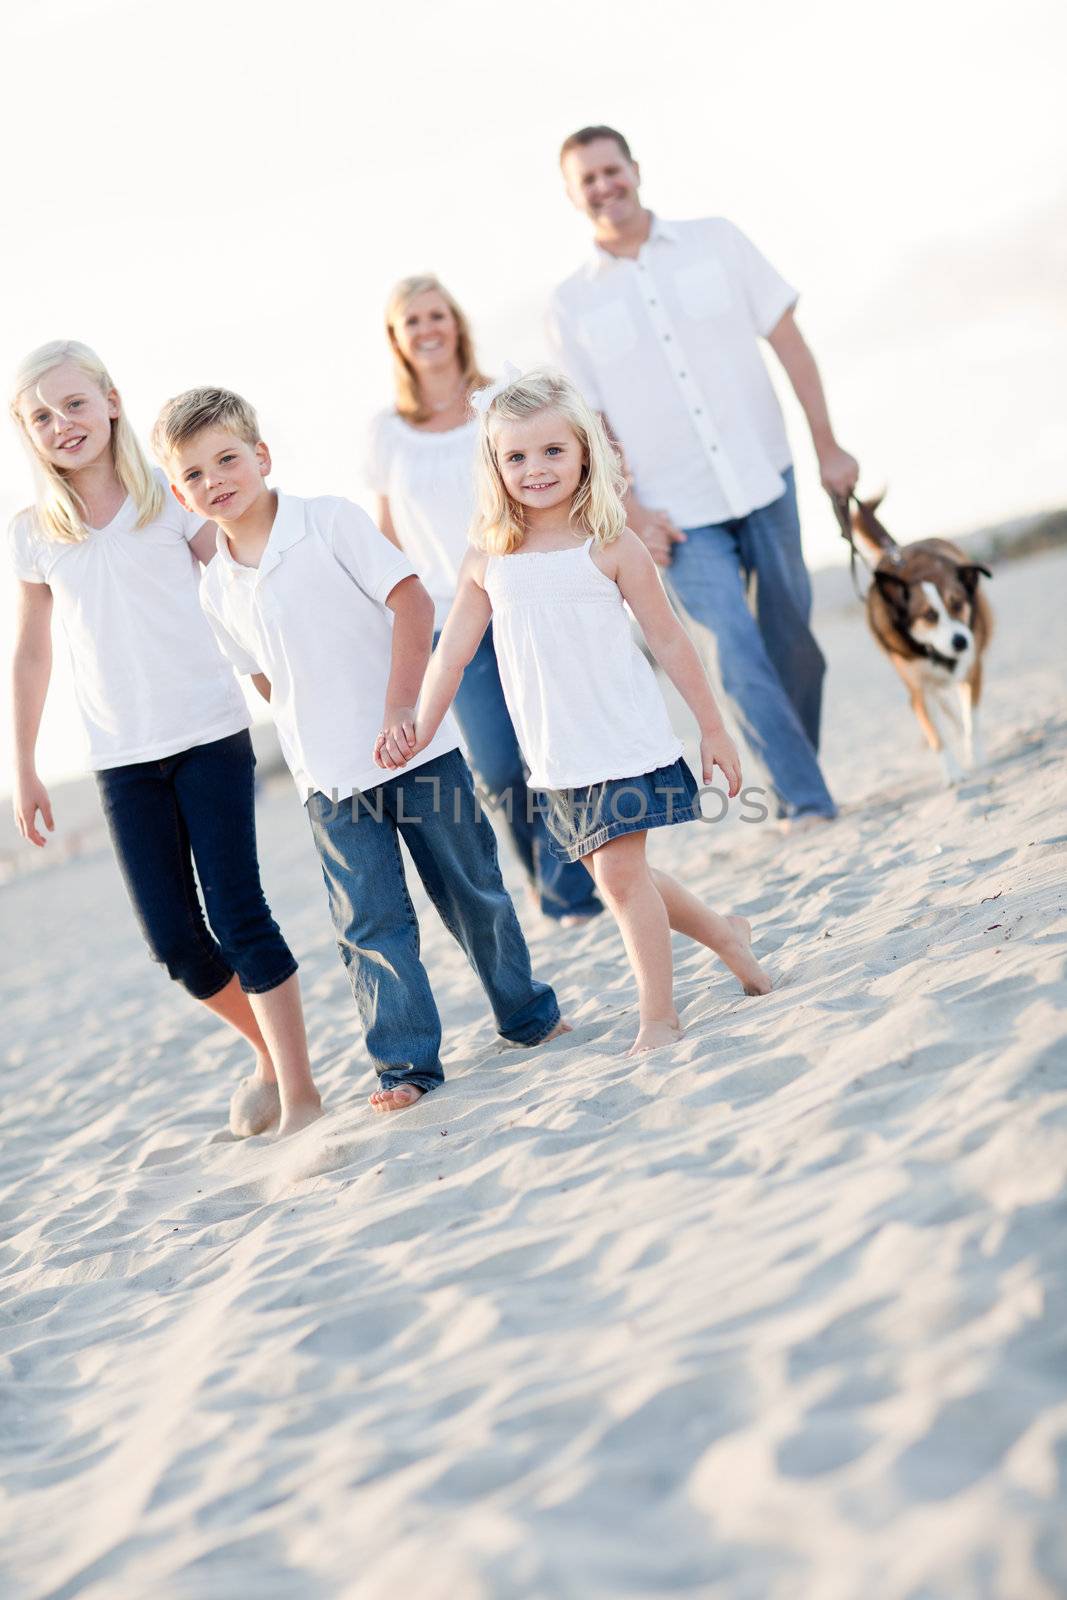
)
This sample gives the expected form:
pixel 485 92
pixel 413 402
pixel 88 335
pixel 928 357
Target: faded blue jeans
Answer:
pixel 434 809
pixel 564 888
pixel 770 666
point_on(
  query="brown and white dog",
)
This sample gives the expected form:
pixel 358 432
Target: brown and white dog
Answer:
pixel 926 610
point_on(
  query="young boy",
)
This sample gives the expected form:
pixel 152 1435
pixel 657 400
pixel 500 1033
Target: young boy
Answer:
pixel 330 621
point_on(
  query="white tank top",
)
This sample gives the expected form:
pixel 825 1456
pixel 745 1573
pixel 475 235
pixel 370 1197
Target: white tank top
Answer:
pixel 583 700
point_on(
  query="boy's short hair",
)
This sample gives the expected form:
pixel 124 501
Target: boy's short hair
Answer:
pixel 589 136
pixel 188 414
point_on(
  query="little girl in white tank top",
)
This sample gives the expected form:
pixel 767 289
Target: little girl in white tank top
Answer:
pixel 552 565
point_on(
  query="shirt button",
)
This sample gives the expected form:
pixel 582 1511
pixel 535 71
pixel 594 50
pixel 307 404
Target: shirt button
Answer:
pixel 666 336
pixel 681 374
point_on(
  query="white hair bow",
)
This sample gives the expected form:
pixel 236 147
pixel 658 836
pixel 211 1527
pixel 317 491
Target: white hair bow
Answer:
pixel 482 399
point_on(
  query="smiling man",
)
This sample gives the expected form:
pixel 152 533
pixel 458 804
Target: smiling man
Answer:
pixel 661 329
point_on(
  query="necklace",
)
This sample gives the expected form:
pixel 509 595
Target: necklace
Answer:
pixel 437 406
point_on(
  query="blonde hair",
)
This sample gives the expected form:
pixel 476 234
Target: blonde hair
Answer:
pixel 409 403
pixel 188 414
pixel 60 510
pixel 597 511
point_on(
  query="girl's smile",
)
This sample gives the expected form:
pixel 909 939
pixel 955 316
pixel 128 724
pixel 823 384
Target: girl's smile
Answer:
pixel 68 419
pixel 540 460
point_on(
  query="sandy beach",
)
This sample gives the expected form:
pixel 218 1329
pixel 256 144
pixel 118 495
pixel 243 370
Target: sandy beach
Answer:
pixel 780 1314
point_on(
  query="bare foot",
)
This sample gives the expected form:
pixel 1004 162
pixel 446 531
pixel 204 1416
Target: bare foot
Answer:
pixel 560 1028
pixel 577 919
pixel 300 1116
pixel 740 960
pixel 654 1035
pixel 255 1106
pixel 810 822
pixel 395 1099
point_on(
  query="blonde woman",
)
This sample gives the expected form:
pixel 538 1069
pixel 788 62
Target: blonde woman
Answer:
pixel 109 550
pixel 553 564
pixel 420 463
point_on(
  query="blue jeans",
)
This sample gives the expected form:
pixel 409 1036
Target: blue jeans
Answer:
pixel 769 663
pixel 565 889
pixel 435 810
pixel 197 806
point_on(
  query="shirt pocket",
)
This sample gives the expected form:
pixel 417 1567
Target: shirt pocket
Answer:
pixel 703 291
pixel 609 333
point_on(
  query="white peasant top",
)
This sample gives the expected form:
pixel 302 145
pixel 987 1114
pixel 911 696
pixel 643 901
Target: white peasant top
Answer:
pixel 583 700
pixel 428 479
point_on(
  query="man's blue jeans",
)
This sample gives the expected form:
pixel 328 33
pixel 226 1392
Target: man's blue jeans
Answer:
pixel 435 810
pixel 769 663
pixel 565 888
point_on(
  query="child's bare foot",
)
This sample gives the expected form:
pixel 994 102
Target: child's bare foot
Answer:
pixel 300 1116
pixel 654 1035
pixel 255 1106
pixel 395 1099
pixel 740 960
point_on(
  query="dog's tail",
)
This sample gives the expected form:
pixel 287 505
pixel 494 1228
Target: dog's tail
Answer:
pixel 873 542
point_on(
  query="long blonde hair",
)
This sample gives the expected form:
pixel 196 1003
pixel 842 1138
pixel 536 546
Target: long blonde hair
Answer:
pixel 597 510
pixel 409 403
pixel 60 511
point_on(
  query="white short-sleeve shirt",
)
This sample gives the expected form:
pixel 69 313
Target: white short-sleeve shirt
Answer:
pixel 312 618
pixel 428 479
pixel 148 677
pixel 666 346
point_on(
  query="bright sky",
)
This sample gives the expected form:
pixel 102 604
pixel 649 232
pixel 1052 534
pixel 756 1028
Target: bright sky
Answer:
pixel 222 191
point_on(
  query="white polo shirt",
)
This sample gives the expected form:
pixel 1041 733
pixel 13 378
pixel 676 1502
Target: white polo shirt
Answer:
pixel 665 345
pixel 148 677
pixel 312 618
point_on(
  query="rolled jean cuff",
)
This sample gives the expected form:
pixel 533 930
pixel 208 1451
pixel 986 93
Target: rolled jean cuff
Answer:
pixel 540 1030
pixel 390 1079
pixel 216 976
pixel 272 983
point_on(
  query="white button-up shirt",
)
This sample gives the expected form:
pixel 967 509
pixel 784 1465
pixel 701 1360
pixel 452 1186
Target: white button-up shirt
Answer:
pixel 312 618
pixel 665 345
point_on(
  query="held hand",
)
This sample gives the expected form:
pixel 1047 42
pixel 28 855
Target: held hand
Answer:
pixel 30 797
pixel 719 750
pixel 839 471
pixel 396 744
pixel 656 530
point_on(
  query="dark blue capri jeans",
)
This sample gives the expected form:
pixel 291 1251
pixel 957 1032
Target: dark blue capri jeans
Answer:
pixel 197 806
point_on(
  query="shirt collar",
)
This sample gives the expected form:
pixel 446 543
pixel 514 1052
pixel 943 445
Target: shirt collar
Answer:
pixel 602 260
pixel 288 528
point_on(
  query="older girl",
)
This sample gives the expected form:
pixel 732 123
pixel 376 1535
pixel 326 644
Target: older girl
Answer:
pixel 109 548
pixel 553 565
pixel 421 464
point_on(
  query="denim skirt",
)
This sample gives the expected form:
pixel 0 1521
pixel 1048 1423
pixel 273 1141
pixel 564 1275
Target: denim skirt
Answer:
pixel 581 820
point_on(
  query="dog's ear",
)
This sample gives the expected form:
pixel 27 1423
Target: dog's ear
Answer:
pixel 968 576
pixel 893 589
